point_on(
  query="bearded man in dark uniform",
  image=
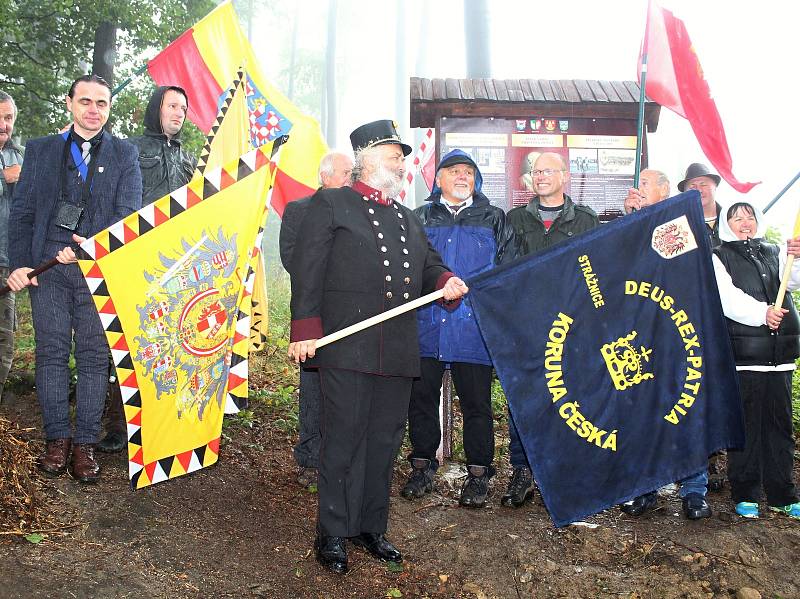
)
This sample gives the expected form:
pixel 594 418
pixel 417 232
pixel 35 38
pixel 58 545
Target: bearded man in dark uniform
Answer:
pixel 360 253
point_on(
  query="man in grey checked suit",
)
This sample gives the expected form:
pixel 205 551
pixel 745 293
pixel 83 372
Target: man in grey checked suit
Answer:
pixel 72 186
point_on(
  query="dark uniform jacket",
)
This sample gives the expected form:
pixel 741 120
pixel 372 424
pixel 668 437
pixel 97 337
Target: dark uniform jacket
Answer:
pixel 291 220
pixel 356 258
pixel 530 231
pixel 473 242
pixel 753 266
pixel 164 164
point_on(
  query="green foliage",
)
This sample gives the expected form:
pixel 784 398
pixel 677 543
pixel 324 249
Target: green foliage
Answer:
pixel 773 234
pixel 34 538
pixel 283 405
pixel 394 567
pixel 499 402
pixel 48 43
pixel 243 418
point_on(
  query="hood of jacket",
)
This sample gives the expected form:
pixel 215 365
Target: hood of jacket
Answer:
pixel 152 115
pixel 725 233
pixel 457 157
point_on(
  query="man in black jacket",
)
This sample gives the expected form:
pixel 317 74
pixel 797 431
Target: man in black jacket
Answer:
pixel 335 170
pixel 549 218
pixel 361 253
pixel 165 167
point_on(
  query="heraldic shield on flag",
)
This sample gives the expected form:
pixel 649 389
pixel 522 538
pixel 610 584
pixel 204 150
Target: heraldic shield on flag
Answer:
pixel 172 283
pixel 614 355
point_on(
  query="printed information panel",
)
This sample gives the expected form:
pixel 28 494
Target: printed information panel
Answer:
pixel 600 154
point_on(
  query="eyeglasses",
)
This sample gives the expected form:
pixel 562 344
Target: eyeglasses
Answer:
pixel 548 172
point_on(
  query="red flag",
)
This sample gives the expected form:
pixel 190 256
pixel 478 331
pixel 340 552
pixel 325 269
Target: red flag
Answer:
pixel 674 79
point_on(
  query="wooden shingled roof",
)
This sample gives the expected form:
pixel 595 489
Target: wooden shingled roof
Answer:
pixel 514 98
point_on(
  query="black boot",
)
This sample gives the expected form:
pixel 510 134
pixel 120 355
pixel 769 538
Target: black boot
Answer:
pixel 520 487
pixel 113 442
pixel 421 479
pixel 476 487
pixel 331 553
pixel 695 507
pixel 641 504
pixel 378 546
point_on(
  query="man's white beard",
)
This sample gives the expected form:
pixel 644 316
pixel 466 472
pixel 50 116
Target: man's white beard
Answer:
pixel 460 194
pixel 386 180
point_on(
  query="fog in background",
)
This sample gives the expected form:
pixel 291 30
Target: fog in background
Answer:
pixel 748 52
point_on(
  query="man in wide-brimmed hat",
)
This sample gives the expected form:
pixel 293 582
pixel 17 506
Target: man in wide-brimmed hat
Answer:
pixel 359 253
pixel 699 176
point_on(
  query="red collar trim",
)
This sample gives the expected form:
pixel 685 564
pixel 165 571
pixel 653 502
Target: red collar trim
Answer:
pixel 370 193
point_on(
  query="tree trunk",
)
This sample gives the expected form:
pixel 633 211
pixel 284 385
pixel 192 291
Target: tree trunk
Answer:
pixel 476 37
pixel 293 52
pixel 401 86
pixel 105 51
pixel 330 75
pixel 105 55
pixel 250 22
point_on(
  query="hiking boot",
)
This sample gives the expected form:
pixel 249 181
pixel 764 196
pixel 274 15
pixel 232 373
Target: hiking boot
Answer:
pixel 476 487
pixel 113 442
pixel 520 487
pixel 53 461
pixel 307 477
pixel 84 468
pixel 421 479
pixel 695 507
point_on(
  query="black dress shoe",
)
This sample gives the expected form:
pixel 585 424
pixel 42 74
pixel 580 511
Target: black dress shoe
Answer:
pixel 331 553
pixel 378 546
pixel 696 507
pixel 113 442
pixel 641 504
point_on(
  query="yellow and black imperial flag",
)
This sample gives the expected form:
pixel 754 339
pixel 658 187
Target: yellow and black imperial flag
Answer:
pixel 173 286
pixel 614 354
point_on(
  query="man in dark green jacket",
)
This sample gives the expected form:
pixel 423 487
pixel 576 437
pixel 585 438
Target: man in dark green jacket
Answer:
pixel 165 167
pixel 549 218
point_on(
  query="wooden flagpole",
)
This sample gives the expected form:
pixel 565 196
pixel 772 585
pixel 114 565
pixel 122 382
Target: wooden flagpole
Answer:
pixel 378 318
pixel 787 270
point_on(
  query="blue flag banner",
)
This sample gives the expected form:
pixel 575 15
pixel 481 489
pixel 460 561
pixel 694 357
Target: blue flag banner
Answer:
pixel 613 352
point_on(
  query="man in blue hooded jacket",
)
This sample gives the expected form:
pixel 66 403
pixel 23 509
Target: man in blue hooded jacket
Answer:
pixel 472 236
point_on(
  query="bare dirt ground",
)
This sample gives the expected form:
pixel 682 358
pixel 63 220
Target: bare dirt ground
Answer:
pixel 244 528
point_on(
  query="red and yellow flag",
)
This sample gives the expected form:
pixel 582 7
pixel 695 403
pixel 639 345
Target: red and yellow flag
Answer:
pixel 173 286
pixel 204 60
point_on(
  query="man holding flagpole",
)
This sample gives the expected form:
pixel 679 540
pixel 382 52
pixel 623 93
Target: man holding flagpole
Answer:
pixel 361 253
pixel 71 186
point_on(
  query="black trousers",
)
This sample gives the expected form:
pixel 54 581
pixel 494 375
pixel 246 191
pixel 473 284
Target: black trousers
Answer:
pixel 768 453
pixel 473 384
pixel 363 419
